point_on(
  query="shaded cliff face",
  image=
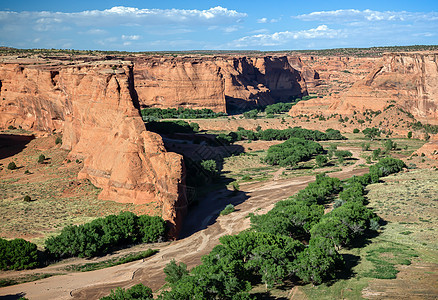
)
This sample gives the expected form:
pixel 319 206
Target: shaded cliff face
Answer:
pixel 407 80
pixel 94 105
pixel 215 82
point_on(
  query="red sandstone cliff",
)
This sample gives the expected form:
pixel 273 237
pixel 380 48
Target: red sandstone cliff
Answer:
pixel 407 80
pixel 95 106
pixel 215 81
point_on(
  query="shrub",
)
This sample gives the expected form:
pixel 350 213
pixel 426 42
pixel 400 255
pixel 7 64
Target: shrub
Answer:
pixel 41 158
pixel 27 198
pixel 355 130
pixel 12 166
pixel 58 140
pixel 409 134
pixel 227 210
pixel 138 291
pixel 321 160
pixel 365 146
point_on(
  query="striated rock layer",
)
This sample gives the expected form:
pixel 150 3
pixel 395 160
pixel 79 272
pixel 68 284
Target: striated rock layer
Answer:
pixel 215 82
pixel 407 80
pixel 95 106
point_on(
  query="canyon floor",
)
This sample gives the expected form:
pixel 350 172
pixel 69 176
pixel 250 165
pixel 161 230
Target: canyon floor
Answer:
pixel 407 201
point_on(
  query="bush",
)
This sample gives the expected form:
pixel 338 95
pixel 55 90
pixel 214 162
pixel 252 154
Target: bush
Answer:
pixel 58 140
pixel 153 114
pixel 355 130
pixel 138 291
pixel 12 166
pixel 41 158
pixel 27 198
pixel 321 160
pixel 227 210
pixel 18 254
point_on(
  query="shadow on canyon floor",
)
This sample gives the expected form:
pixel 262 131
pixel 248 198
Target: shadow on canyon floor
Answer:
pixel 11 144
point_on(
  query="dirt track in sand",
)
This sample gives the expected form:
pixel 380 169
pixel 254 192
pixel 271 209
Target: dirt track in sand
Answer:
pixel 201 233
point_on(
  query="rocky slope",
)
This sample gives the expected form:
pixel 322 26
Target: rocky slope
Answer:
pixel 406 80
pixel 95 106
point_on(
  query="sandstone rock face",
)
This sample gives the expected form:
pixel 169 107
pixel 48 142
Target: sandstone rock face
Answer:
pixel 215 82
pixel 407 80
pixel 179 82
pixel 95 106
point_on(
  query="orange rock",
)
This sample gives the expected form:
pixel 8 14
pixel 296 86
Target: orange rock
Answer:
pixel 408 80
pixel 95 105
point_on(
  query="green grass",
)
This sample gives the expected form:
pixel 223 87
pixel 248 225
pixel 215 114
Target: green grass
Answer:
pixel 112 262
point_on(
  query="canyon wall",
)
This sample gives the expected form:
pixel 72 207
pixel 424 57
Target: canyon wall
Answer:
pixel 215 82
pixel 407 80
pixel 95 106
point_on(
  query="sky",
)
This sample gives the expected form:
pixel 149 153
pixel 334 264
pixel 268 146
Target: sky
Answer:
pixel 170 25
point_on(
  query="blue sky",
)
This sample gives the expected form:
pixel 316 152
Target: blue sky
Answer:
pixel 216 25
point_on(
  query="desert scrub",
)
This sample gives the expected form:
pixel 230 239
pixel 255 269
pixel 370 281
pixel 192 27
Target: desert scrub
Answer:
pixel 227 210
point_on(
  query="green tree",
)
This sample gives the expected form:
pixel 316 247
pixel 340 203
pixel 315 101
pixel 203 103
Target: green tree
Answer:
pixel 41 158
pixel 12 166
pixel 371 133
pixel 174 272
pixel 409 134
pixel 321 160
pixel 138 291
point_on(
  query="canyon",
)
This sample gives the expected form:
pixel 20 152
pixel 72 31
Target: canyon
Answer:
pixel 95 101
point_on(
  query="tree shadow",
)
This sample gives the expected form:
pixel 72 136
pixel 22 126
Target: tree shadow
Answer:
pixel 11 144
pixel 13 296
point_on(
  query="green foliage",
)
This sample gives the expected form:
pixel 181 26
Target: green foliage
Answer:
pixel 318 262
pixel 355 130
pixel 174 272
pixel 252 114
pixel 18 254
pixel 321 160
pixel 235 186
pixel 152 114
pixel 291 152
pixel 168 127
pixel 387 166
pixel 104 234
pixel 343 154
pixel 27 198
pixel 376 153
pixel 12 166
pixel 41 158
pixel 227 210
pixel 389 145
pixel 278 108
pixel 58 140
pixel 210 166
pixel 409 134
pixel 138 291
pixel 371 133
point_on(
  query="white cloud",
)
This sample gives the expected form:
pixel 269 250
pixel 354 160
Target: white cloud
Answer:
pixel 354 15
pixel 131 37
pixel 266 20
pixel 284 37
pixel 128 16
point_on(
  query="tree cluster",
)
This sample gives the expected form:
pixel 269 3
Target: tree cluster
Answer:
pixel 153 114
pixel 292 151
pixel 102 235
pixel 18 254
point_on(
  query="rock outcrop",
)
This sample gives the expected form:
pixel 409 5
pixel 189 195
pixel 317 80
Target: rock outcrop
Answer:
pixel 96 107
pixel 215 82
pixel 407 80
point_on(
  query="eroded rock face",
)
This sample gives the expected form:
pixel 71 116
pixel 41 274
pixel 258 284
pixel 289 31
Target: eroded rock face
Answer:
pixel 95 106
pixel 216 81
pixel 407 80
